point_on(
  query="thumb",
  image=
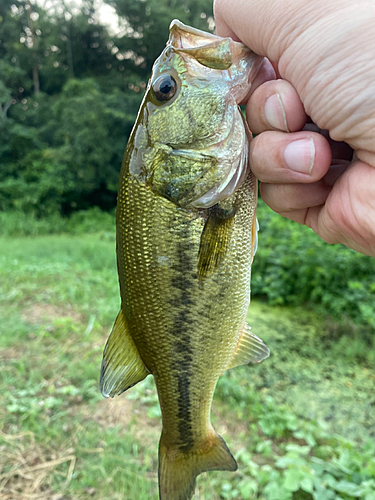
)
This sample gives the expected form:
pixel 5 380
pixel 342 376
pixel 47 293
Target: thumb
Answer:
pixel 269 27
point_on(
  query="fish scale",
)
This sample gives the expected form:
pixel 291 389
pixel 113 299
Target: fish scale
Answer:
pixel 184 270
pixel 156 301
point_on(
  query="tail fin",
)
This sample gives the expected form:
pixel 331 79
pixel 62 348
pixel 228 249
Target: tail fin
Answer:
pixel 178 469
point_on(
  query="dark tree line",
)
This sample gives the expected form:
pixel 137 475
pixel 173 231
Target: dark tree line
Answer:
pixel 69 94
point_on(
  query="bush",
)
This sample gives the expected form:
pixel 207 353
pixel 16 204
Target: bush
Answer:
pixel 93 220
pixel 294 266
pixel 290 458
pixel 18 223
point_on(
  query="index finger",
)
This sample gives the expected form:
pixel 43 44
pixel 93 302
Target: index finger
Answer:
pixel 286 158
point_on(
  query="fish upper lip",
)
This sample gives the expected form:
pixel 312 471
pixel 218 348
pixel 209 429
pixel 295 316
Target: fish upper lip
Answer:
pixel 245 63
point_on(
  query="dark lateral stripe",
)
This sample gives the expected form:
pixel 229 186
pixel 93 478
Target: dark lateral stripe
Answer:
pixel 183 284
pixel 184 416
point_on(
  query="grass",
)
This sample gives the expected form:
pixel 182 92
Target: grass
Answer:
pixel 301 424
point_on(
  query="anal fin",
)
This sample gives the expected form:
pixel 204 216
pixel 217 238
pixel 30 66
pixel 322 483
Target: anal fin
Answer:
pixel 122 366
pixel 250 349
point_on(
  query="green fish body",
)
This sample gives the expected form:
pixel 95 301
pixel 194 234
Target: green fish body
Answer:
pixel 186 232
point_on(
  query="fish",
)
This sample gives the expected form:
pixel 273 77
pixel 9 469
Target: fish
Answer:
pixel 186 235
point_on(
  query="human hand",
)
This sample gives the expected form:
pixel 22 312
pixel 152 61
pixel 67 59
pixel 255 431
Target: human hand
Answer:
pixel 323 53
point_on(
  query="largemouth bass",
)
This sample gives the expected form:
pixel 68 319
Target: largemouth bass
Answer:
pixel 186 233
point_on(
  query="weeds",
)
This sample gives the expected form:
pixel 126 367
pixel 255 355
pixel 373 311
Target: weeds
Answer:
pixel 301 425
pixel 28 469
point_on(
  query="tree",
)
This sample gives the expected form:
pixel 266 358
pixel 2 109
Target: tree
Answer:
pixel 69 95
pixel 146 26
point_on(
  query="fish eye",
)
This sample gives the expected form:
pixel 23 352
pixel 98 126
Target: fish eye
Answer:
pixel 164 88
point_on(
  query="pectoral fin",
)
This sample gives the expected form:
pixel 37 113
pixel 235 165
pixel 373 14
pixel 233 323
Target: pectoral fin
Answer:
pixel 122 366
pixel 214 243
pixel 250 349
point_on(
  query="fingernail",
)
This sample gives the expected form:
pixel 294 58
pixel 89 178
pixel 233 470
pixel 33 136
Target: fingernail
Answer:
pixel 274 113
pixel 300 155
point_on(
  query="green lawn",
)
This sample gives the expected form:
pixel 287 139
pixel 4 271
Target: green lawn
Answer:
pixel 301 424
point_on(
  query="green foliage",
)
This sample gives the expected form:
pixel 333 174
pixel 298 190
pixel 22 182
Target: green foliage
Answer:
pixel 61 146
pixel 300 459
pixel 69 95
pixel 92 221
pixel 19 223
pixel 148 22
pixel 301 424
pixel 85 128
pixel 293 266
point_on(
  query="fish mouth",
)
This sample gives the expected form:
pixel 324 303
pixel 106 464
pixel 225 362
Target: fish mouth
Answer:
pixel 239 64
